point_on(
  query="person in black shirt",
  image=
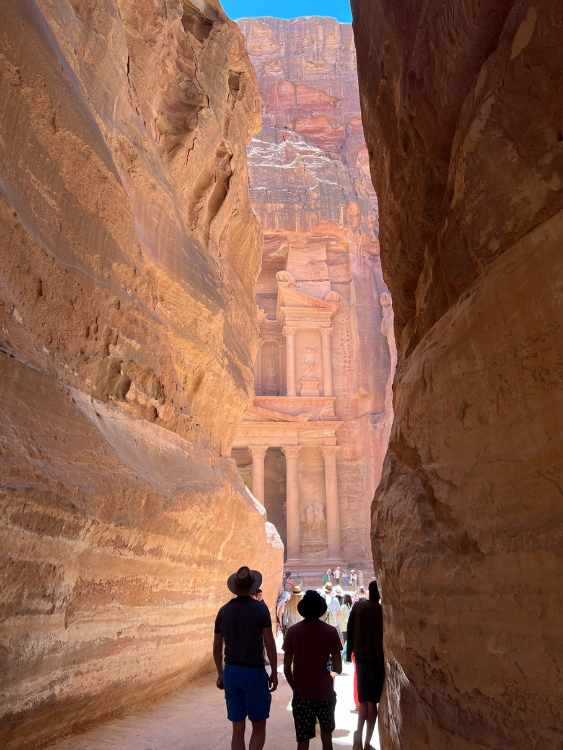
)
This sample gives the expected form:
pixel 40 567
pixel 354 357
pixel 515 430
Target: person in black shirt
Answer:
pixel 365 641
pixel 244 626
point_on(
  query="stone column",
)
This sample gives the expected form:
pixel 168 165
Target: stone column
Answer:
pixel 258 369
pixel 290 332
pixel 332 506
pixel 291 453
pixel 327 361
pixel 281 366
pixel 258 452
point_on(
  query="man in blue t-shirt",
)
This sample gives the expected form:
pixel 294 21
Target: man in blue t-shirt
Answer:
pixel 245 626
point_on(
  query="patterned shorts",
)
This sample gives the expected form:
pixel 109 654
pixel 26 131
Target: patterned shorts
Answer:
pixel 305 714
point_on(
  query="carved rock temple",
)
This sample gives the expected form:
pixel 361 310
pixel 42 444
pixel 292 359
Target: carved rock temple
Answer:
pixel 311 446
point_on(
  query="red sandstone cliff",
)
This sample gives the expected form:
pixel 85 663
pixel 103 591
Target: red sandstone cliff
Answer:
pixel 462 109
pixel 129 254
pixel 311 189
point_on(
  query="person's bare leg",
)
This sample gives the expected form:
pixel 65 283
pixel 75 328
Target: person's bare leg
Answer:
pixel 362 716
pixel 326 739
pixel 370 724
pixel 303 745
pixel 237 742
pixel 258 736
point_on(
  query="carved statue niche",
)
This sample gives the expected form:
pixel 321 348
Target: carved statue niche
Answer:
pixel 320 518
pixel 315 518
pixel 310 362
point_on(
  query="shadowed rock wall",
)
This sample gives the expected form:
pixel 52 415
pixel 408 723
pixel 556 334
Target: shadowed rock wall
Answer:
pixel 461 105
pixel 311 189
pixel 128 259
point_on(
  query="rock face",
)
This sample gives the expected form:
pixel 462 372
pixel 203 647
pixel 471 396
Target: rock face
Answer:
pixel 311 189
pixel 462 109
pixel 129 254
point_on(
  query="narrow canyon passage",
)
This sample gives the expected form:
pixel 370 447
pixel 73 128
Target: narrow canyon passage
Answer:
pixel 194 719
pixel 285 294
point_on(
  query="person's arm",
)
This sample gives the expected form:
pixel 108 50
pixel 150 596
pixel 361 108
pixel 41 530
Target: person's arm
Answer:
pixel 337 662
pixel 287 662
pixel 272 654
pixel 350 635
pixel 218 658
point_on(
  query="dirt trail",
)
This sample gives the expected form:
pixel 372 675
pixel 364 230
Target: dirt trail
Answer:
pixel 196 719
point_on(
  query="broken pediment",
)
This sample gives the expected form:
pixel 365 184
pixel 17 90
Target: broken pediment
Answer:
pixel 259 414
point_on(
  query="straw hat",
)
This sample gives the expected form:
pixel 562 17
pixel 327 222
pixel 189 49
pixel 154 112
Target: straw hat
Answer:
pixel 296 590
pixel 328 587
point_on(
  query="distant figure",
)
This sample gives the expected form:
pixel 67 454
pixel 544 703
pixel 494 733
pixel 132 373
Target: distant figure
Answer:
pixel 326 577
pixel 365 643
pixel 280 607
pixel 346 578
pixel 310 646
pixel 345 609
pixel 333 615
pixel 337 576
pixel 360 578
pixel 353 580
pixel 259 595
pixel 292 615
pixel 245 627
pixel 360 594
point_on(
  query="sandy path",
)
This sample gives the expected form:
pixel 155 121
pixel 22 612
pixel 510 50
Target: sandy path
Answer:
pixel 195 718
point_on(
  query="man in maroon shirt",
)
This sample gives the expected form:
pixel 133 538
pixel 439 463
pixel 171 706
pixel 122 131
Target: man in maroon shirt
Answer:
pixel 365 642
pixel 309 646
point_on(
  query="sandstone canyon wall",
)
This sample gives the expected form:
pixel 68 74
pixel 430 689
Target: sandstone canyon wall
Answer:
pixel 129 255
pixel 462 110
pixel 311 189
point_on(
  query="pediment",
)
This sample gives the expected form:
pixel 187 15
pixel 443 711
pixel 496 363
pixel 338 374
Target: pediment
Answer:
pixel 289 297
pixel 294 298
pixel 259 414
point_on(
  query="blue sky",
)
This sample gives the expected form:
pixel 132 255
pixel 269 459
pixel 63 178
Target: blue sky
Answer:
pixel 339 9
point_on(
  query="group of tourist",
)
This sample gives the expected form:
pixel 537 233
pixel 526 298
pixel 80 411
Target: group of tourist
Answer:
pixel 317 626
pixel 336 577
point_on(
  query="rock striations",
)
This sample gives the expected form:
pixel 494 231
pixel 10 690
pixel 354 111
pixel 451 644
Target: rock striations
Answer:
pixel 311 189
pixel 462 109
pixel 128 259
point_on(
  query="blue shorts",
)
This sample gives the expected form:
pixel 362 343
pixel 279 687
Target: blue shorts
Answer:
pixel 247 693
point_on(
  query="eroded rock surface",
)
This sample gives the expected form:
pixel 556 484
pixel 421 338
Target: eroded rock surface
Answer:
pixel 462 108
pixel 311 189
pixel 129 253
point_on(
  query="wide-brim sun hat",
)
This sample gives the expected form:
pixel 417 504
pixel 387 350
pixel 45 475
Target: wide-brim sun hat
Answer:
pixel 328 587
pixel 312 606
pixel 296 590
pixel 338 590
pixel 244 582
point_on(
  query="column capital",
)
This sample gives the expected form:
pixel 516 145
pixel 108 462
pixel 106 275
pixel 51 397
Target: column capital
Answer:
pixel 326 331
pixel 289 330
pixel 257 451
pixel 329 450
pixel 291 451
pixel 261 342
